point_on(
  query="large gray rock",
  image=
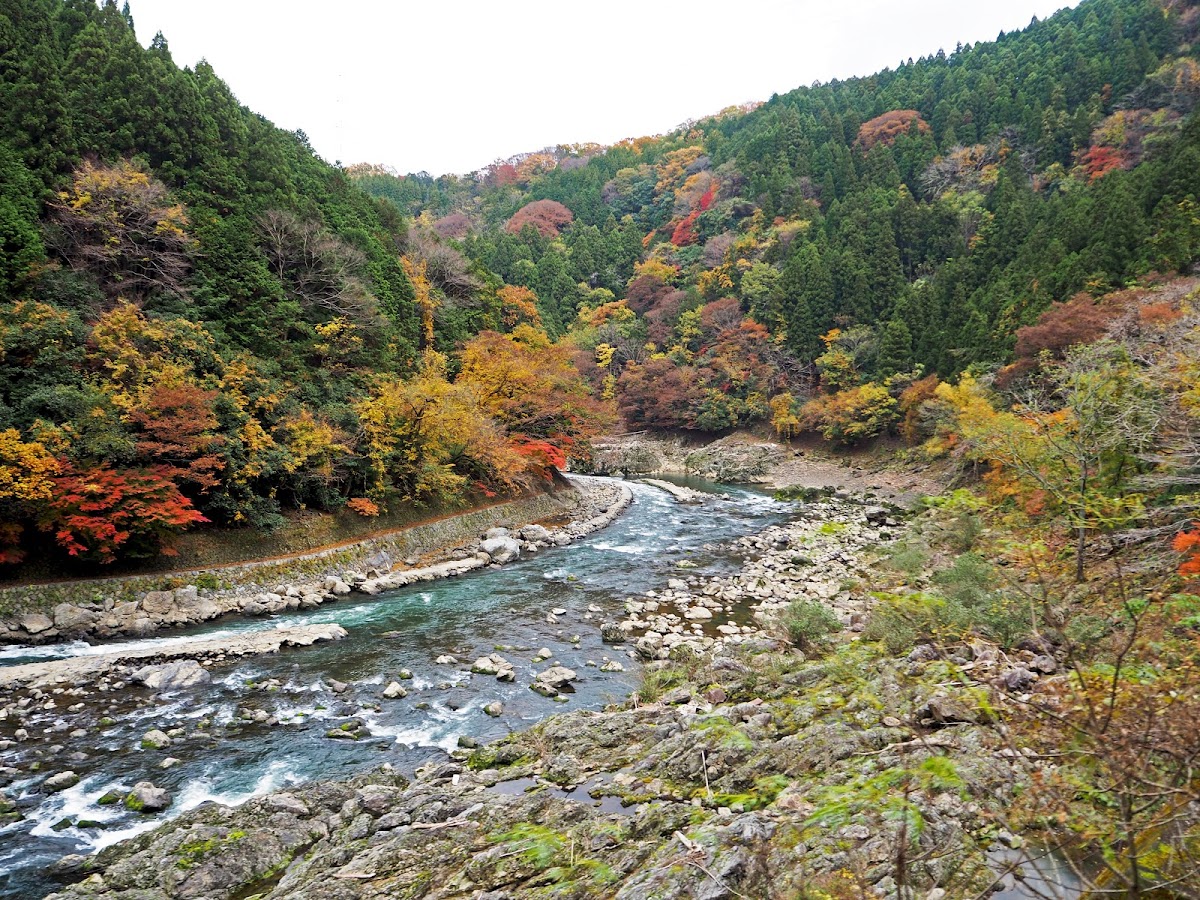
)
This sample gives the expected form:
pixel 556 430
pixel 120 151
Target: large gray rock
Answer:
pixel 36 623
pixel 501 549
pixel 534 533
pixel 172 676
pixel 147 797
pixel 159 604
pixel 60 782
pixel 155 740
pixel 558 677
pixel 68 617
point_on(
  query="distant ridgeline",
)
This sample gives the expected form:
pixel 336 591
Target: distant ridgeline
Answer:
pixel 879 227
pixel 203 321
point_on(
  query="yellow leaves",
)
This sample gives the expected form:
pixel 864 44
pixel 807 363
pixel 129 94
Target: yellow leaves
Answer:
pixel 26 469
pixel 136 352
pixel 783 416
pixel 424 436
pixel 604 355
pixel 616 312
pixel 312 444
pixel 656 268
pixel 714 281
pixel 423 295
pixel 674 165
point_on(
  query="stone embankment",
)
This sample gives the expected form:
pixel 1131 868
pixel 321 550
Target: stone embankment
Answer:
pixel 456 540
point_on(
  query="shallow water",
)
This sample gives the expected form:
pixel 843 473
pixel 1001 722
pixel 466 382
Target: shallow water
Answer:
pixel 232 759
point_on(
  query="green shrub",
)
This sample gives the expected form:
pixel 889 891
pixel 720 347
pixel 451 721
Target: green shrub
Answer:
pixel 809 624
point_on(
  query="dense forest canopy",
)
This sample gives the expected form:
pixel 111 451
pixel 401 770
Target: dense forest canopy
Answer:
pixel 201 320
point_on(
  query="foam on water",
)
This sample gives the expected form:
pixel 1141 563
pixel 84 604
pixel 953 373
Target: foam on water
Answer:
pixel 441 730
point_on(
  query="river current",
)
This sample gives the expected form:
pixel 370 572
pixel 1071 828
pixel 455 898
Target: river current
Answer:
pixel 226 756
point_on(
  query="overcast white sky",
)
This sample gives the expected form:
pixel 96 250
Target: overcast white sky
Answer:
pixel 451 85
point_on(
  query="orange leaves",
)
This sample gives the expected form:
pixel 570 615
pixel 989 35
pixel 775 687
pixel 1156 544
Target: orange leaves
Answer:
pixel 1100 161
pixel 1188 544
pixel 685 231
pixel 886 128
pixel 541 453
pixel 364 507
pixel 176 427
pixel 518 305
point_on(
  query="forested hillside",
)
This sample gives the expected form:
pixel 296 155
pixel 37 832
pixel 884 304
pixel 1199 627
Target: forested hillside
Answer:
pixel 859 235
pixel 200 320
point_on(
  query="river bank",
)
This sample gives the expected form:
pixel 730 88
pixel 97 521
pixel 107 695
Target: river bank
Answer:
pixel 741 767
pixel 881 471
pixel 399 689
pixel 141 605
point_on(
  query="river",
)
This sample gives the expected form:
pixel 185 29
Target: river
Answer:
pixel 226 756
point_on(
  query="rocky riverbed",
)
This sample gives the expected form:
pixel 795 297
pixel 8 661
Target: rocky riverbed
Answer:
pixel 739 768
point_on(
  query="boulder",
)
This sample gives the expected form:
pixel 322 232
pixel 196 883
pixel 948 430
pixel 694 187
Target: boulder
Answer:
pixel 36 623
pixel 159 604
pixel 146 797
pixel 558 677
pixel 494 709
pixel 501 549
pixel 446 660
pixel 698 613
pixel 611 633
pixel 394 691
pixel 60 782
pixel 172 676
pixel 68 617
pixel 942 710
pixel 495 533
pixel 155 740
pixel 534 533
pixel 288 803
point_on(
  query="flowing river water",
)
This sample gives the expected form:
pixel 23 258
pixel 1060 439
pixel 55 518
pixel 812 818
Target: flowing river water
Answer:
pixel 227 756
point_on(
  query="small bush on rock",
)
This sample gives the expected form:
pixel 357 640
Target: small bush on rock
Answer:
pixel 809 624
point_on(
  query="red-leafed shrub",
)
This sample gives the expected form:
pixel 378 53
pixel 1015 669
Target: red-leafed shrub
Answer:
pixel 549 217
pixel 175 425
pixel 685 231
pixel 1100 161
pixel 455 225
pixel 102 512
pixel 1188 543
pixel 1080 320
pixel 539 452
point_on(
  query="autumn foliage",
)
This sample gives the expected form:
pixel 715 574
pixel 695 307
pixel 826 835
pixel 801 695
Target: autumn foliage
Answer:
pixel 547 217
pixel 886 128
pixel 98 512
pixel 1188 543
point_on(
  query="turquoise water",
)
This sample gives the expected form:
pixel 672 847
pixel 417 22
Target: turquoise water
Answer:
pixel 234 759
